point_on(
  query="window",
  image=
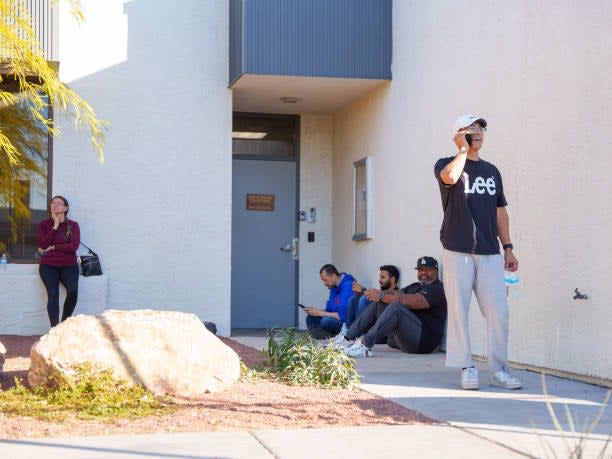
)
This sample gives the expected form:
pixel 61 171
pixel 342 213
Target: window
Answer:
pixel 263 137
pixel 362 200
pixel 28 184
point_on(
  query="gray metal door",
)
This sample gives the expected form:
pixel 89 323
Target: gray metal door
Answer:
pixel 263 229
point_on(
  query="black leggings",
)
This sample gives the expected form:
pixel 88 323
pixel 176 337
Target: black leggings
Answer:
pixel 51 277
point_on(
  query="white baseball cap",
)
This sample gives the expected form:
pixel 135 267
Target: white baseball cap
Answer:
pixel 464 121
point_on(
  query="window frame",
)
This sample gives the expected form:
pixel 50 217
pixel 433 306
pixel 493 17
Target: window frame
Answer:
pixel 10 246
pixel 364 212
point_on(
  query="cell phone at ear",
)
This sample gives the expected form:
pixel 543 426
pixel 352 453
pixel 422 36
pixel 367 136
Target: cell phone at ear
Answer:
pixel 301 306
pixel 468 137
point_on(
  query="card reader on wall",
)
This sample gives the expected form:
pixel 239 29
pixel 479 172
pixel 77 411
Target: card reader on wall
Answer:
pixel 311 216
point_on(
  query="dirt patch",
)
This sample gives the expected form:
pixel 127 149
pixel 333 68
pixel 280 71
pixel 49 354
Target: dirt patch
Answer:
pixel 250 356
pixel 245 406
pixel 17 359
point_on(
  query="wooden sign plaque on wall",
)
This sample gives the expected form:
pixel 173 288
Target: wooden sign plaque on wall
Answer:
pixel 262 202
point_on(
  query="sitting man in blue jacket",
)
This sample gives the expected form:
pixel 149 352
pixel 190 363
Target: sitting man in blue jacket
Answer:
pixel 323 324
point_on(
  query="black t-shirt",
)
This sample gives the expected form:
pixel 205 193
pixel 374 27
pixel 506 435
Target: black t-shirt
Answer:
pixel 470 208
pixel 433 318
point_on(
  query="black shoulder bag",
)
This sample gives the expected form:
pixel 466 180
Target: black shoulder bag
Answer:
pixel 90 264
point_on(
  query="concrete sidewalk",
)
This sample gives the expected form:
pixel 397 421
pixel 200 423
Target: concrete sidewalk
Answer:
pixel 519 420
pixel 353 443
pixel 473 424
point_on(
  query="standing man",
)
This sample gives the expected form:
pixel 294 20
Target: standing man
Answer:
pixel 326 323
pixel 475 218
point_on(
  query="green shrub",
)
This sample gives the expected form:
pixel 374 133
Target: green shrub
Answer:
pixel 298 360
pixel 88 394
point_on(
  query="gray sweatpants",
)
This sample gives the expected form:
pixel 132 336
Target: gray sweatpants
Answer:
pixel 484 274
pixel 401 327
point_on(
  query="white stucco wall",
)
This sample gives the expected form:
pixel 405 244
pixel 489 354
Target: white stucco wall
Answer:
pixel 159 210
pixel 23 310
pixel 539 73
pixel 316 140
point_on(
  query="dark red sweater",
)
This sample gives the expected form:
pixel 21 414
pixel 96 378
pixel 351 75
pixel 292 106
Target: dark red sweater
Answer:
pixel 64 253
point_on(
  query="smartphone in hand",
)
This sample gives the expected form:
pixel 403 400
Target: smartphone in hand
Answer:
pixel 301 306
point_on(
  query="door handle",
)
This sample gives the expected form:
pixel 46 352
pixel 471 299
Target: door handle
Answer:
pixel 293 248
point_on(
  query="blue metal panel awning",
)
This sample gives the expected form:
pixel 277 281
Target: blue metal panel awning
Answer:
pixel 316 38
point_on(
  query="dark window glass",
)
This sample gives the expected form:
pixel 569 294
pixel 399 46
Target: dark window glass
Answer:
pixel 30 187
pixel 263 136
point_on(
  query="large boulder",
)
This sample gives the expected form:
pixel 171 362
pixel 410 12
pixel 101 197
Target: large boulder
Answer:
pixel 2 354
pixel 168 352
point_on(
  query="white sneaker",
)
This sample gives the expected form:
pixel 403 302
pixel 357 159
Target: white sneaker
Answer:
pixel 358 350
pixel 469 378
pixel 503 378
pixel 340 341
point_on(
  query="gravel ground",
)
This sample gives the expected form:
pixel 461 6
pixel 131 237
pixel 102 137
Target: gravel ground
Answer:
pixel 244 406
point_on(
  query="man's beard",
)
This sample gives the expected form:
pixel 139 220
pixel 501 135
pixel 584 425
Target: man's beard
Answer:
pixel 386 286
pixel 426 282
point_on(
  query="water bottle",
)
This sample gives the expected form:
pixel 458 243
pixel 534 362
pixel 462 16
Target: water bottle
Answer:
pixel 3 262
pixel 512 282
pixel 511 278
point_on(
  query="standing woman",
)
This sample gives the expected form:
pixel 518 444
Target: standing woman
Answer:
pixel 58 241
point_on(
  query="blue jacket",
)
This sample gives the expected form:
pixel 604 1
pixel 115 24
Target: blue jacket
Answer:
pixel 340 296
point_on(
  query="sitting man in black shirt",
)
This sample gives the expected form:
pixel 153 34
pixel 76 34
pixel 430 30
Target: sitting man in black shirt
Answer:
pixel 413 322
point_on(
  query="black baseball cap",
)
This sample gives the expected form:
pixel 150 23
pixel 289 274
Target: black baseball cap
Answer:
pixel 424 262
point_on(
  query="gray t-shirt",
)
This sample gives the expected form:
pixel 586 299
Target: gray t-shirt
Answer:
pixel 470 208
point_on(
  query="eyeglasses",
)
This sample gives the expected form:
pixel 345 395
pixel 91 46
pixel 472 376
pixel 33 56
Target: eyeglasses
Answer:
pixel 475 129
